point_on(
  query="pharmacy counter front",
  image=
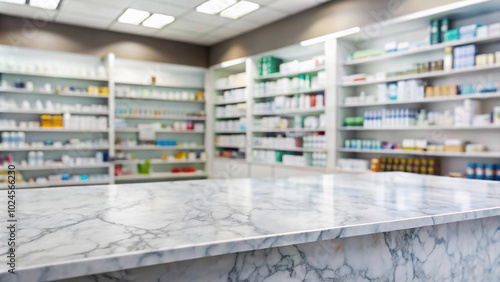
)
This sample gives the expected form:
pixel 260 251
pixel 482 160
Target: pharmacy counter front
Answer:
pixel 376 227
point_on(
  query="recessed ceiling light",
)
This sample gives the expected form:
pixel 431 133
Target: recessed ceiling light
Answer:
pixel 158 21
pixel 45 4
pixel 214 6
pixel 20 2
pixel 133 16
pixel 239 9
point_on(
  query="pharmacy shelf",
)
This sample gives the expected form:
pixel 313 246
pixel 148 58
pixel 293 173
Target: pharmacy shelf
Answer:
pixel 264 130
pixel 303 150
pixel 485 127
pixel 231 87
pixel 64 94
pixel 493 155
pixel 291 112
pixel 160 118
pixel 424 75
pixel 430 48
pixel 321 169
pixel 96 148
pixel 160 148
pixel 293 74
pixel 230 117
pixel 230 102
pixel 440 99
pixel 290 93
pixel 160 99
pixel 134 130
pixel 61 167
pixel 25 185
pixel 53 130
pixel 42 112
pixel 231 132
pixel 39 74
pixel 161 175
pixel 229 147
pixel 187 87
pixel 159 161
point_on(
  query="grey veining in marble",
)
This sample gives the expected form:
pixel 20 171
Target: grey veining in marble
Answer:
pixel 76 231
pixel 458 251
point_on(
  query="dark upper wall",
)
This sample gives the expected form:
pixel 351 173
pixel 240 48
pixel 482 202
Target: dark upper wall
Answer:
pixel 59 37
pixel 327 18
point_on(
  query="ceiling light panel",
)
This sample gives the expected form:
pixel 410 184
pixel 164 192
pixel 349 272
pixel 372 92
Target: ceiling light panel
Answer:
pixel 20 2
pixel 133 16
pixel 158 21
pixel 239 9
pixel 45 4
pixel 213 7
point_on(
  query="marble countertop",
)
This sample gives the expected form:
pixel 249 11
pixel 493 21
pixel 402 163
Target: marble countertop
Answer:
pixel 75 231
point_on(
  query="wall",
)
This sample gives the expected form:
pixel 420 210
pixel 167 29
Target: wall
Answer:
pixel 327 18
pixel 24 32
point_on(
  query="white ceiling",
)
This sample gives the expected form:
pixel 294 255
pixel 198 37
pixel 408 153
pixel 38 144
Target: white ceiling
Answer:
pixel 189 26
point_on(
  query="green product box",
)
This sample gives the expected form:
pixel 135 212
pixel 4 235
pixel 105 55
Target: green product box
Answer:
pixel 435 29
pixel 444 27
pixel 453 34
pixel 279 156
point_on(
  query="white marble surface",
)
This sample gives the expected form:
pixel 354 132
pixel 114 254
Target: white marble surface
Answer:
pixel 458 251
pixel 70 232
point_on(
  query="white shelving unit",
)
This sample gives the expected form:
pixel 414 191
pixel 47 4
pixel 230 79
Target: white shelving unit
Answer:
pixel 299 53
pixel 224 79
pixel 61 71
pixel 412 30
pixel 172 91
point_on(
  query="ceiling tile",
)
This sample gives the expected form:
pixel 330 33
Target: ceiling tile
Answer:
pixel 27 12
pixel 190 26
pixel 262 2
pixel 183 3
pixel 120 4
pixel 244 26
pixel 293 6
pixel 134 29
pixel 264 16
pixel 159 7
pixel 206 18
pixel 90 10
pixel 73 19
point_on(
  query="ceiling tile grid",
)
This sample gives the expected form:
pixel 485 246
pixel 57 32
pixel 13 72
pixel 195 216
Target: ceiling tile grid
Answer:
pixel 189 25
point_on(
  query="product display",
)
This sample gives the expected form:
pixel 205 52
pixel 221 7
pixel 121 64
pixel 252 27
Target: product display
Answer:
pixel 50 106
pixel 159 94
pixel 483 171
pixel 231 125
pixel 286 85
pixel 238 110
pixel 233 80
pixel 297 102
pixel 124 112
pixel 238 140
pixel 411 165
pixel 465 115
pixel 232 95
pixel 12 64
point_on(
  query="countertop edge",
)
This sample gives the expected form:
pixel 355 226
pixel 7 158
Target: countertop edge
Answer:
pixel 76 268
